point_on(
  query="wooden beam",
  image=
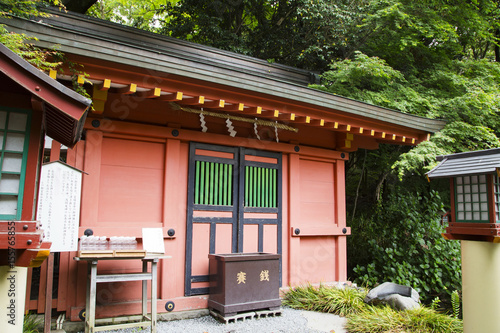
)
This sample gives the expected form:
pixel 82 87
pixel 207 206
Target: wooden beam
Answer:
pixel 318 122
pixel 130 89
pixel 332 125
pixel 153 93
pixel 270 113
pixel 235 107
pixel 48 293
pixel 303 119
pixel 345 141
pixel 342 127
pixel 255 110
pixel 287 116
pixel 80 80
pixel 197 100
pixel 53 74
pixel 217 104
pixel 171 97
pixel 104 86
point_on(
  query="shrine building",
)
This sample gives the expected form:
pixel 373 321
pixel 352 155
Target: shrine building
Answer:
pixel 224 152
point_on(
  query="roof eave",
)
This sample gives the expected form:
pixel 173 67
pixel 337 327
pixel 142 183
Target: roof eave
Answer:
pixel 69 109
pixel 130 50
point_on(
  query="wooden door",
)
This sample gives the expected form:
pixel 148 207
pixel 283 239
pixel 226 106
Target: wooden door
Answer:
pixel 234 206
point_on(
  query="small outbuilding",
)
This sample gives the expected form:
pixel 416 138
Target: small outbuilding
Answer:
pixel 225 153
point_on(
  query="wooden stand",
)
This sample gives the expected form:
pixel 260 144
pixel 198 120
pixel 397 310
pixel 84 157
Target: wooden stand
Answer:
pixel 143 276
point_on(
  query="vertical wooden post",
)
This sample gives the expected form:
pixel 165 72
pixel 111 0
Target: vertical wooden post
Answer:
pixel 294 217
pixel 340 212
pixel 55 153
pixel 48 293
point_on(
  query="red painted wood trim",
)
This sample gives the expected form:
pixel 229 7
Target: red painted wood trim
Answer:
pixel 285 223
pixel 494 231
pixel 474 225
pixel 491 198
pixel 91 179
pixel 134 307
pixel 39 87
pixel 171 214
pixel 294 217
pixel 28 290
pixel 35 148
pixel 48 292
pixel 41 288
pixel 72 286
pixel 21 240
pixel 19 226
pixel 306 231
pixel 341 250
pixel 55 151
pixel 140 130
pixel 453 216
pixel 478 238
pixel 63 281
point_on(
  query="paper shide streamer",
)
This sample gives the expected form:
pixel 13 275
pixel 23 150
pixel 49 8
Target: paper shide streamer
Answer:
pixel 203 123
pixel 276 132
pixel 255 129
pixel 229 123
pixel 230 128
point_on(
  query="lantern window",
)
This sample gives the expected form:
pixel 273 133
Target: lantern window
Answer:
pixel 471 198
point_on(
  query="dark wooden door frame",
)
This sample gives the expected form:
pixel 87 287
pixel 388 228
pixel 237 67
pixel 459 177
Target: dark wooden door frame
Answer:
pixel 237 208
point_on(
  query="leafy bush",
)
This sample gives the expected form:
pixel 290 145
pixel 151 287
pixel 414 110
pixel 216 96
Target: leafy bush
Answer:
pixel 402 243
pixel 385 319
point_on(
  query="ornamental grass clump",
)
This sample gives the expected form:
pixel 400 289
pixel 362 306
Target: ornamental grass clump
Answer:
pixel 363 318
pixel 339 301
pixel 419 320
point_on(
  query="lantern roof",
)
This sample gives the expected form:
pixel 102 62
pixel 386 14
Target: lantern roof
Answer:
pixel 469 163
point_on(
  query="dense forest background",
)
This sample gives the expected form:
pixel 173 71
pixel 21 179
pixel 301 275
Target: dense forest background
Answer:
pixel 432 58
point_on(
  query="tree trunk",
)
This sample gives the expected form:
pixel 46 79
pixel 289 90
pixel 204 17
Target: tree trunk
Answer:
pixel 497 47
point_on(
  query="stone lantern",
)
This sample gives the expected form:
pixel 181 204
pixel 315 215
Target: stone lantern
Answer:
pixel 475 216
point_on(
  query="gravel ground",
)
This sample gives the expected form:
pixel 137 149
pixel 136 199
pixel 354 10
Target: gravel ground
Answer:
pixel 290 321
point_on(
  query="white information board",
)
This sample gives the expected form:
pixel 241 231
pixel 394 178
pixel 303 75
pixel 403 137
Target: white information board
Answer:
pixel 152 240
pixel 59 205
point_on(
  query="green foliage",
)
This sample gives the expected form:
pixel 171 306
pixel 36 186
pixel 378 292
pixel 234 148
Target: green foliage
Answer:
pixel 24 8
pixel 32 324
pixel 372 80
pixel 301 33
pixel 456 137
pixel 142 14
pixel 419 320
pixel 401 242
pixel 455 303
pixel 435 303
pixel 20 43
pixel 339 301
pixel 362 317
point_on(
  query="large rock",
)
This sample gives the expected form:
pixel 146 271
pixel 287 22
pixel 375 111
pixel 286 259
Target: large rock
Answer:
pixel 395 295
